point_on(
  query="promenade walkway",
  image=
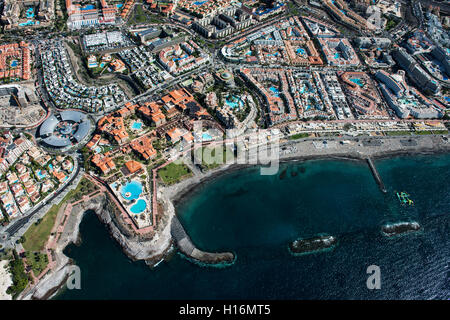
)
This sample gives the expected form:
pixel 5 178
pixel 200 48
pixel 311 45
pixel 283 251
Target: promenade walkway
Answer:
pixel 60 223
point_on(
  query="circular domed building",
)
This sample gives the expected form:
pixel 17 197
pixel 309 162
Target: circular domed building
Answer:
pixel 64 130
pixel 226 77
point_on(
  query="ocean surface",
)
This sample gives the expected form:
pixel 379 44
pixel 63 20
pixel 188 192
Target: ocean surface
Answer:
pixel 257 216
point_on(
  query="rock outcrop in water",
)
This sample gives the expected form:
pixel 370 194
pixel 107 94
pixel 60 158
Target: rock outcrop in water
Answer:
pixel 400 228
pixel 304 246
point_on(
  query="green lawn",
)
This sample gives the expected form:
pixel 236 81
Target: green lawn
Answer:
pixel 398 133
pixel 139 16
pixel 424 132
pixel 37 235
pixel 209 158
pixel 173 173
pixel 299 136
pixel 37 260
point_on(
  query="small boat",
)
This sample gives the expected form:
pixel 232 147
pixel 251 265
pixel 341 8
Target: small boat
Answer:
pixel 404 199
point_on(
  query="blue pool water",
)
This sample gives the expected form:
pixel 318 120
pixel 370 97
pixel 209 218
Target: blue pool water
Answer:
pixel 139 206
pixel 447 99
pixel 28 23
pixel 40 175
pixel 88 7
pixel 136 125
pixel 357 81
pixel 234 102
pixel 134 188
pixel 199 3
pixel 30 13
pixel 119 5
pixel 336 55
pixel 14 63
pixel 178 59
pixel 275 91
pixel 50 166
pixel 300 51
pixel 248 53
pixel 206 136
pixel 98 150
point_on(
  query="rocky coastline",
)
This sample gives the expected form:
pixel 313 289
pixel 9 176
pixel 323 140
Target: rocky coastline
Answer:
pixel 170 232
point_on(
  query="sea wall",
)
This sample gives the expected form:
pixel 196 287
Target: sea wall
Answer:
pixel 182 239
pixel 186 246
pixel 133 246
pixel 136 247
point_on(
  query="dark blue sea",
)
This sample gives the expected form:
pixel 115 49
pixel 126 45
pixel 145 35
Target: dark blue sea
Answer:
pixel 257 216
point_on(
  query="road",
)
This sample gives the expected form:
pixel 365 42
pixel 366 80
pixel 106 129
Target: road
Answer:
pixel 18 224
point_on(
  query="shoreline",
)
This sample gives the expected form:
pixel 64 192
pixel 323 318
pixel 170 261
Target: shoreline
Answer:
pixel 153 250
pixel 186 192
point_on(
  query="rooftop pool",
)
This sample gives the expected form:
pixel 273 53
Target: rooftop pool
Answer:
pixel 132 190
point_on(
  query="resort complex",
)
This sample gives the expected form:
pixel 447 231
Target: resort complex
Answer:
pixel 15 62
pixel 285 43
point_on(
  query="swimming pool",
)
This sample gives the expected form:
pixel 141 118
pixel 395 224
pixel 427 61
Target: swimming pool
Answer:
pixel 88 7
pixel 300 51
pixel 234 102
pixel 14 63
pixel 119 5
pixel 132 190
pixel 29 13
pixel 206 136
pixel 337 55
pixel 357 81
pixel 139 206
pixel 275 91
pixel 40 175
pixel 136 125
pixel 28 23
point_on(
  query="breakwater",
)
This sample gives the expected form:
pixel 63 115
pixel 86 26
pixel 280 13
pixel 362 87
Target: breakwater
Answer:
pixel 376 175
pixel 186 246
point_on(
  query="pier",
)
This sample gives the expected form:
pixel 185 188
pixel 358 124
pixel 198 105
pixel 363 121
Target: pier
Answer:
pixel 186 246
pixel 376 175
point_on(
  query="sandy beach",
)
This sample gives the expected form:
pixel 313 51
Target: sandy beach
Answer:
pixel 5 280
pixel 357 149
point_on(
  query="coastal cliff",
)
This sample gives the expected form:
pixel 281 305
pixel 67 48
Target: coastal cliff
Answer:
pixel 136 247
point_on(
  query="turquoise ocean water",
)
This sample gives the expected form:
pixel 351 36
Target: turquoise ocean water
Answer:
pixel 257 216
